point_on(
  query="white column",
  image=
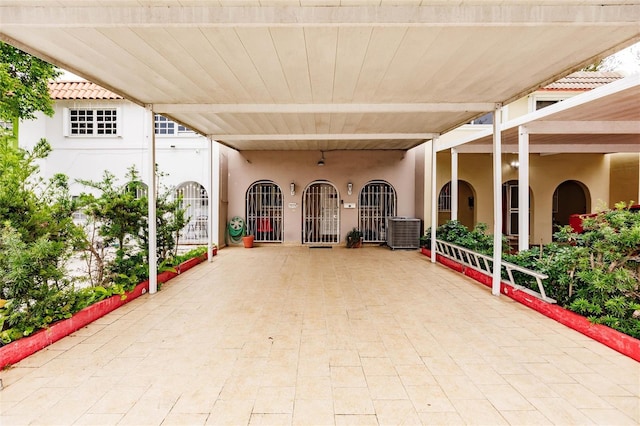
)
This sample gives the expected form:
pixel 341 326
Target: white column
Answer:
pixel 213 213
pixel 497 199
pixel 523 189
pixel 210 221
pixel 434 199
pixel 454 184
pixel 150 135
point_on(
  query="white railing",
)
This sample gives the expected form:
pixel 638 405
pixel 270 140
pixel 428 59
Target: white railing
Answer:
pixel 484 263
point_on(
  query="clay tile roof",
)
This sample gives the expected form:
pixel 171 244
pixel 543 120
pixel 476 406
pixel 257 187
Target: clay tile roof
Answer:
pixel 79 90
pixel 584 80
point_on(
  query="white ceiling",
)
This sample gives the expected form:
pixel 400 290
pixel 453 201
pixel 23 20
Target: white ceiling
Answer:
pixel 321 74
pixel 603 120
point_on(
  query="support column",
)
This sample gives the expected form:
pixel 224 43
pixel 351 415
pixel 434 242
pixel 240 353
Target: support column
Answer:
pixel 434 198
pixel 454 184
pixel 497 199
pixel 152 196
pixel 523 188
pixel 213 211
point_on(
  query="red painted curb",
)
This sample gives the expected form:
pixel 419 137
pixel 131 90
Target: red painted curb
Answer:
pixel 22 348
pixel 614 339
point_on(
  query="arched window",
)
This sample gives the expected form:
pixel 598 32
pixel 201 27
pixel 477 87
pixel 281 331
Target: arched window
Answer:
pixel 466 203
pixel 377 204
pixel 138 188
pixel 264 211
pixel 195 202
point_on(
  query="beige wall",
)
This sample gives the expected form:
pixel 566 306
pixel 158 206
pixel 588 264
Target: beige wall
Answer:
pixel 625 177
pixel 546 173
pixel 341 167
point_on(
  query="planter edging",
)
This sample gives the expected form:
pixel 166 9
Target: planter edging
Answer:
pixel 22 348
pixel 614 339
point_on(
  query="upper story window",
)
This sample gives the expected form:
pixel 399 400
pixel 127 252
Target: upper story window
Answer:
pixel 545 103
pixel 93 122
pixel 485 119
pixel 164 126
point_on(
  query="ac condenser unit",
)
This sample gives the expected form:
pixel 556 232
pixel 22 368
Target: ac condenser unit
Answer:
pixel 403 233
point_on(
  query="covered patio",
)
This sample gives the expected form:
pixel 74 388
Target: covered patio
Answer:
pixel 294 335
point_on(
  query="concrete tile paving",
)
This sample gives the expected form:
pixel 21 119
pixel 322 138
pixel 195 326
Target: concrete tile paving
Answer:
pixel 301 336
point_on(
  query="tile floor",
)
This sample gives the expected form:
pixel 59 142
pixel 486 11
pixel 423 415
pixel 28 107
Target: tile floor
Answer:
pixel 292 335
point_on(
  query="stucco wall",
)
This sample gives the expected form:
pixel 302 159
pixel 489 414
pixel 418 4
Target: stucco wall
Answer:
pixel 341 167
pixel 182 158
pixel 546 173
pixel 625 178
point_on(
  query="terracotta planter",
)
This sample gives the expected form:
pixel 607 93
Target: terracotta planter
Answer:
pixel 248 241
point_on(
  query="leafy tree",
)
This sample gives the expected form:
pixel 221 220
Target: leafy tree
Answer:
pixel 121 211
pixel 24 84
pixel 37 237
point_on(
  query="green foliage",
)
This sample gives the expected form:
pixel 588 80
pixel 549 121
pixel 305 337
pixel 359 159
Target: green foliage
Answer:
pixel 596 273
pixel 195 252
pixel 38 236
pixel 23 84
pixel 121 210
pixel 456 233
pixel 353 238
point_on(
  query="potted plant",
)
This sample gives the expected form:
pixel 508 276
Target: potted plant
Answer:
pixel 354 238
pixel 247 240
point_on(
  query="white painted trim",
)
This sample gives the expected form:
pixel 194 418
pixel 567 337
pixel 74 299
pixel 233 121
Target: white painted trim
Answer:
pixel 322 108
pixel 323 136
pixel 454 184
pixel 434 198
pixel 149 132
pixel 93 14
pixel 603 148
pixel 497 201
pixel 523 189
pixel 584 127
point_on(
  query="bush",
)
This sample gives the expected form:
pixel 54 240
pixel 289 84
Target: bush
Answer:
pixel 456 233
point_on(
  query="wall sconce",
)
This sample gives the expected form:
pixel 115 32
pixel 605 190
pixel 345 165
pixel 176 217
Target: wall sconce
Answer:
pixel 349 188
pixel 293 188
pixel 515 164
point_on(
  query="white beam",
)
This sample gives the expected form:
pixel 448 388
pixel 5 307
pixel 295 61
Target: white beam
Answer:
pixel 150 134
pixel 454 184
pixel 561 148
pixel 93 14
pixel 323 136
pixel 584 127
pixel 523 189
pixel 497 201
pixel 323 108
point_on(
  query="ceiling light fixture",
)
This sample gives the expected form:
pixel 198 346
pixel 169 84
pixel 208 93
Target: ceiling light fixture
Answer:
pixel 321 162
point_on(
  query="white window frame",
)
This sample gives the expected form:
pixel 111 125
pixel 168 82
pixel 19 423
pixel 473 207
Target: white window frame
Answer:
pixel 177 128
pixel 534 98
pixel 67 127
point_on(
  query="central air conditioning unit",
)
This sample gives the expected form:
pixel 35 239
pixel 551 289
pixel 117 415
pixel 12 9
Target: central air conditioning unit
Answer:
pixel 403 233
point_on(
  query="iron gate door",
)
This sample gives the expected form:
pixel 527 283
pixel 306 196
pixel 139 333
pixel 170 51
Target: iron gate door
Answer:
pixel 264 211
pixel 321 214
pixel 377 204
pixel 195 202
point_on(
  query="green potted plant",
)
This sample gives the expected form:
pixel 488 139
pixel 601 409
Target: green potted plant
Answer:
pixel 354 238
